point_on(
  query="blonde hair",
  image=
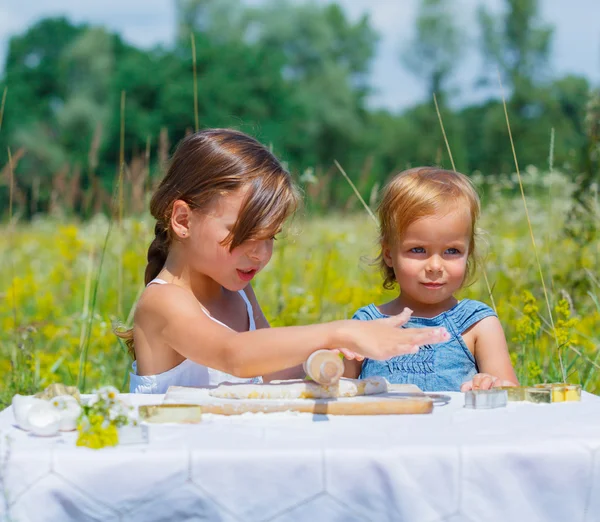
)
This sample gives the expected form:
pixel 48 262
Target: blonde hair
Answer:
pixel 422 192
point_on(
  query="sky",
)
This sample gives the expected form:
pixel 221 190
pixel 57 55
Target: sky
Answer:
pixel 145 23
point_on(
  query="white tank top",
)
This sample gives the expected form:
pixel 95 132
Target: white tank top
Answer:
pixel 187 373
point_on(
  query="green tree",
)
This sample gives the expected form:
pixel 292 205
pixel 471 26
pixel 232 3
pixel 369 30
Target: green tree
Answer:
pixel 518 43
pixel 436 47
pixel 37 92
pixel 326 60
pixel 219 20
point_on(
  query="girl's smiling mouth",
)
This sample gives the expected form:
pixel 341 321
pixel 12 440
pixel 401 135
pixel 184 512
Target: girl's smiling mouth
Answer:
pixel 247 275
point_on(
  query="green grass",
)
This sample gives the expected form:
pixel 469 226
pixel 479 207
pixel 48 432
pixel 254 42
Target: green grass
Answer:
pixel 64 292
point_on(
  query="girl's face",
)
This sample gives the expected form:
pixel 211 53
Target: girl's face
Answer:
pixel 207 253
pixel 430 260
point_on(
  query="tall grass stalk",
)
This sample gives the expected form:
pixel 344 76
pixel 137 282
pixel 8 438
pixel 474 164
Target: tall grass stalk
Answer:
pixel 483 270
pixel 86 298
pixel 147 165
pixel 121 203
pixel 196 119
pixel 549 207
pixel 537 257
pixel 11 246
pixel 364 203
pixel 83 355
pixel 2 106
pixel 439 115
pixel 84 352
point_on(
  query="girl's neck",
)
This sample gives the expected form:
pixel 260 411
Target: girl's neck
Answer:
pixel 205 289
pixel 419 309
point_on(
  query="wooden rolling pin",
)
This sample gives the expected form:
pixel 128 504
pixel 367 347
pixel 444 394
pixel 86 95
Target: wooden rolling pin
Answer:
pixel 371 405
pixel 324 367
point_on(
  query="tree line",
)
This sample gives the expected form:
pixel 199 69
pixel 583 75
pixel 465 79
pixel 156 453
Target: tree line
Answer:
pixel 296 76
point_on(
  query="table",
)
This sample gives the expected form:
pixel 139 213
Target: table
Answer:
pixel 526 462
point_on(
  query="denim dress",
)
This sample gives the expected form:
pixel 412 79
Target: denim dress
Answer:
pixel 439 367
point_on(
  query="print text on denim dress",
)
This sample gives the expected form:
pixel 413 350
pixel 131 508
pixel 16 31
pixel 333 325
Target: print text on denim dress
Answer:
pixel 439 367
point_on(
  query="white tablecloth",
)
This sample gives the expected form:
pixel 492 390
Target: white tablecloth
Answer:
pixel 525 462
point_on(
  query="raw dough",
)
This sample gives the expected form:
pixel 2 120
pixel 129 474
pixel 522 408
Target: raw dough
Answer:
pixel 299 389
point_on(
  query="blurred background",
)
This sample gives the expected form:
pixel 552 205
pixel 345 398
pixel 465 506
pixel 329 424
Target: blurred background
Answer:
pixel 94 96
pixel 351 81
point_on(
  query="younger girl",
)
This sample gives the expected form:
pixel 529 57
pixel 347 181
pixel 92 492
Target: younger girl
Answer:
pixel 218 209
pixel 427 235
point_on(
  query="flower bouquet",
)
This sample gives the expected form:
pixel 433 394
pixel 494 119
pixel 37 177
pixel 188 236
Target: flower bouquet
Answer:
pixel 105 419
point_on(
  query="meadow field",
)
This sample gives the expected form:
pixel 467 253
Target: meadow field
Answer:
pixel 65 283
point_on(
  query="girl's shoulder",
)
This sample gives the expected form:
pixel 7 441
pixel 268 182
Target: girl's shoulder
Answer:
pixel 368 313
pixel 467 313
pixel 163 300
pixel 471 306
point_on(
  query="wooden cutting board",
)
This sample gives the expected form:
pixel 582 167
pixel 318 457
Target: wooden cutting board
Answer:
pixel 402 399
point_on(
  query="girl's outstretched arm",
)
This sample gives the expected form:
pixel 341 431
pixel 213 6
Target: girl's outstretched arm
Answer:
pixel 295 372
pixel 491 354
pixel 172 315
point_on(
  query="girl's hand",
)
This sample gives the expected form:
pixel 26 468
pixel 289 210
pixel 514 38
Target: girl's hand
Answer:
pixel 403 318
pixel 348 354
pixel 484 381
pixel 381 339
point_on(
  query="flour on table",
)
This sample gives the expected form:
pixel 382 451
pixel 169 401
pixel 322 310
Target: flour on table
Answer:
pixel 299 389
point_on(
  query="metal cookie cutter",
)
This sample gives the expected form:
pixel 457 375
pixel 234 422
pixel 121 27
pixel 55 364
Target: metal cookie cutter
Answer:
pixel 485 399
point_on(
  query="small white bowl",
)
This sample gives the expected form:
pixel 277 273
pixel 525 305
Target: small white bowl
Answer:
pixel 21 405
pixel 43 419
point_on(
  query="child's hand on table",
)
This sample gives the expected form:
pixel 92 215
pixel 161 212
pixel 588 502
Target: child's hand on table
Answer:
pixel 484 381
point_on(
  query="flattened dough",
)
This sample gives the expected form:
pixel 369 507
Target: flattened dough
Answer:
pixel 299 389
